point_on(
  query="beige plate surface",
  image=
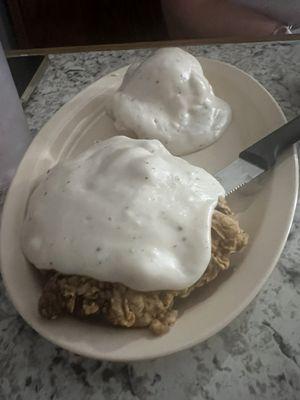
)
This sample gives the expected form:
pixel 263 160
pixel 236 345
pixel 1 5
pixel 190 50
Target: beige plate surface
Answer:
pixel 265 210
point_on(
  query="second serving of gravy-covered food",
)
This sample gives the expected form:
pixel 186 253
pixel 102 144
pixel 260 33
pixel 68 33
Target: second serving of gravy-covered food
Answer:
pixel 168 98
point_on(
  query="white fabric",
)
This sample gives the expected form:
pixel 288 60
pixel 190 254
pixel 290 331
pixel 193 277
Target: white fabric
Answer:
pixel 286 11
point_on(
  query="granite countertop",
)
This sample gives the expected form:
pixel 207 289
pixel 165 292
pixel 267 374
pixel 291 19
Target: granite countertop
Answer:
pixel 256 357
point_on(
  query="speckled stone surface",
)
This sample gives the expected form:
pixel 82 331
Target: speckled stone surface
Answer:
pixel 256 357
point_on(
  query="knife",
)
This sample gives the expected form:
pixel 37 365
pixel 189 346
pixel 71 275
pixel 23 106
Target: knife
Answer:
pixel 259 157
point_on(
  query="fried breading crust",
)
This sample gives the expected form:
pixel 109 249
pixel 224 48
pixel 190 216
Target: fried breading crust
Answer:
pixel 85 297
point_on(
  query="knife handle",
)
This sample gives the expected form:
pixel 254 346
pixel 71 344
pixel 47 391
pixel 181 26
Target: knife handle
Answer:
pixel 264 153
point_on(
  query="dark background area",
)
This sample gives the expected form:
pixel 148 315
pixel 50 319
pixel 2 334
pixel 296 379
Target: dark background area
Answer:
pixel 55 23
pixel 43 24
pixel 39 27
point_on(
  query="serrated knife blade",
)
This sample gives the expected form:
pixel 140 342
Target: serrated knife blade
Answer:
pixel 259 157
pixel 237 174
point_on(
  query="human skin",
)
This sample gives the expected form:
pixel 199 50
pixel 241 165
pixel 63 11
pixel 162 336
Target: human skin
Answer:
pixel 214 18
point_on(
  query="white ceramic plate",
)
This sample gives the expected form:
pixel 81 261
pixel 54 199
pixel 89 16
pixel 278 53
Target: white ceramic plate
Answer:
pixel 265 211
